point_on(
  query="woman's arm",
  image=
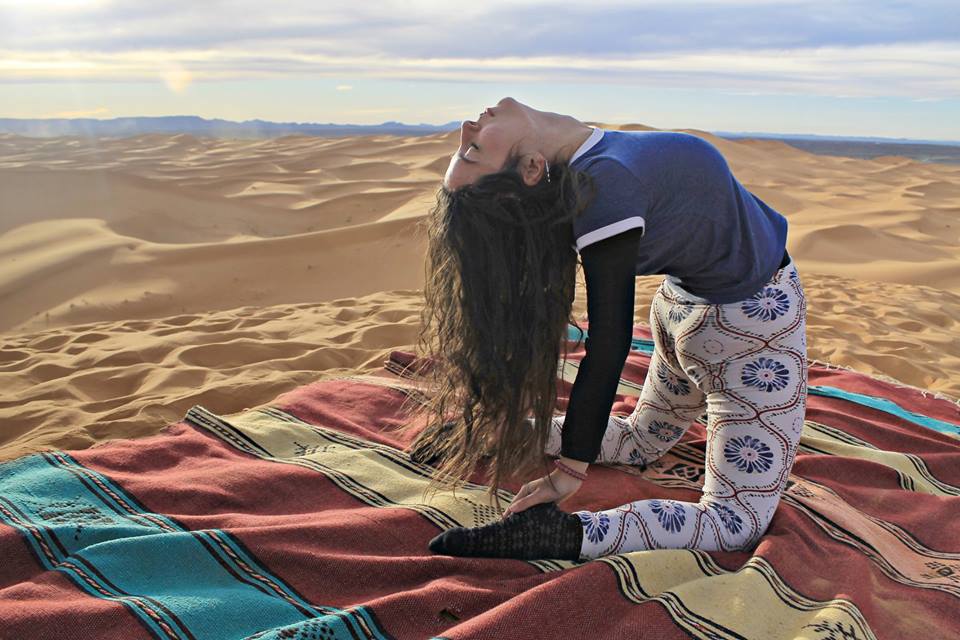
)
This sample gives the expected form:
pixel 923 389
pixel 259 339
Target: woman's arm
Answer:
pixel 609 267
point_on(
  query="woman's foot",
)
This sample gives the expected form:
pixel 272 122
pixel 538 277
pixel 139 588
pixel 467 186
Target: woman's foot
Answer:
pixel 539 532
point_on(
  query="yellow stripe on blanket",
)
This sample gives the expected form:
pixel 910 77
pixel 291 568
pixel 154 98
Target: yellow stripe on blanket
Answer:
pixel 709 602
pixel 914 472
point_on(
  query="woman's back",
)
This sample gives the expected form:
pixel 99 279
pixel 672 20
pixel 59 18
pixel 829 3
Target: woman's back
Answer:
pixel 702 229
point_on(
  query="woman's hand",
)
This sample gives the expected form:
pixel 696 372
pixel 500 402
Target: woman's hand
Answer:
pixel 540 490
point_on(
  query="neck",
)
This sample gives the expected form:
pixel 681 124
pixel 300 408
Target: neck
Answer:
pixel 562 135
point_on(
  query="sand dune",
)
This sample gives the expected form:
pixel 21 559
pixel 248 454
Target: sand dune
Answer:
pixel 142 275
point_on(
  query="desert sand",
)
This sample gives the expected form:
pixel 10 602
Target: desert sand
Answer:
pixel 143 275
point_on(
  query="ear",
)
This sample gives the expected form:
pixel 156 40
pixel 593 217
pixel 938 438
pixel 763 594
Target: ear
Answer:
pixel 532 168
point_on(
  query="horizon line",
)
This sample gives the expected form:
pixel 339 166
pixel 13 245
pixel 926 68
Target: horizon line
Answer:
pixel 426 124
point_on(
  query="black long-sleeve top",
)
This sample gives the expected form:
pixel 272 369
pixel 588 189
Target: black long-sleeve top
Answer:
pixel 609 269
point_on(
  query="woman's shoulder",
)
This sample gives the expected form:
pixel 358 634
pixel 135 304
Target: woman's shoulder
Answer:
pixel 630 148
pixel 620 143
pixel 652 156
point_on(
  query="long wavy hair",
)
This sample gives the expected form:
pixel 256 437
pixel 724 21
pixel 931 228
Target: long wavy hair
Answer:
pixel 500 283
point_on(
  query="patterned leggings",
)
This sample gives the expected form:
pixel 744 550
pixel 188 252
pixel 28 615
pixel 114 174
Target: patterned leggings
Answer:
pixel 745 364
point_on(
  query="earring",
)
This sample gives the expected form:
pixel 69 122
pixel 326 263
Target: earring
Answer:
pixel 548 170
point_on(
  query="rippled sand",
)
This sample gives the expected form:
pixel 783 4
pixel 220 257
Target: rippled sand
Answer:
pixel 142 275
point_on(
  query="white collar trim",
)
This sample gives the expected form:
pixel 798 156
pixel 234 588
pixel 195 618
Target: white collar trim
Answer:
pixel 593 139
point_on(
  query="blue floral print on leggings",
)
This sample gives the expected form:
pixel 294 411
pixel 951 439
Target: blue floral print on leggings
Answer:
pixel 766 374
pixel 769 304
pixel 749 454
pixel 595 525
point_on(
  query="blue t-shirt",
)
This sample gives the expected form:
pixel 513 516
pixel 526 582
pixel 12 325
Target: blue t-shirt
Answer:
pixel 702 229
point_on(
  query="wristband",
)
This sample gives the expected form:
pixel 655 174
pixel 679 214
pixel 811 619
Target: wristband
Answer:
pixel 570 472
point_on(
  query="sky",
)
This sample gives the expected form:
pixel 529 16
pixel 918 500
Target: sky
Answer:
pixel 835 67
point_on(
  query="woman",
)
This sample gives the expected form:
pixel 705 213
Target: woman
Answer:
pixel 525 193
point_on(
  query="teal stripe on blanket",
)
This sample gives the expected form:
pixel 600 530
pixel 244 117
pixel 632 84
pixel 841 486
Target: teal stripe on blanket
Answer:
pixel 888 406
pixel 178 583
pixel 880 404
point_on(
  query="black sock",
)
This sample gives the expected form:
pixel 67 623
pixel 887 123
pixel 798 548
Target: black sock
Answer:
pixel 539 532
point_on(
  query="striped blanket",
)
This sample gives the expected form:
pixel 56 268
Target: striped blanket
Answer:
pixel 304 519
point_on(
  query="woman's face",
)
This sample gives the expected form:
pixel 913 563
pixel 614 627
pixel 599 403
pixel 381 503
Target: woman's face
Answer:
pixel 486 142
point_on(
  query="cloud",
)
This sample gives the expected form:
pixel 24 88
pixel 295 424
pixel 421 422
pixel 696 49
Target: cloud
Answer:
pixel 495 28
pixel 860 47
pixel 344 87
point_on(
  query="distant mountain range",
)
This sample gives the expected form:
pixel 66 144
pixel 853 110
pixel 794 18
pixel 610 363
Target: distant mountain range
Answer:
pixel 862 147
pixel 852 146
pixel 815 136
pixel 196 125
pixel 47 127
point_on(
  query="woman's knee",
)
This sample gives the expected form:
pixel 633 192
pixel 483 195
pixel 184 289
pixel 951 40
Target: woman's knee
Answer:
pixel 739 529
